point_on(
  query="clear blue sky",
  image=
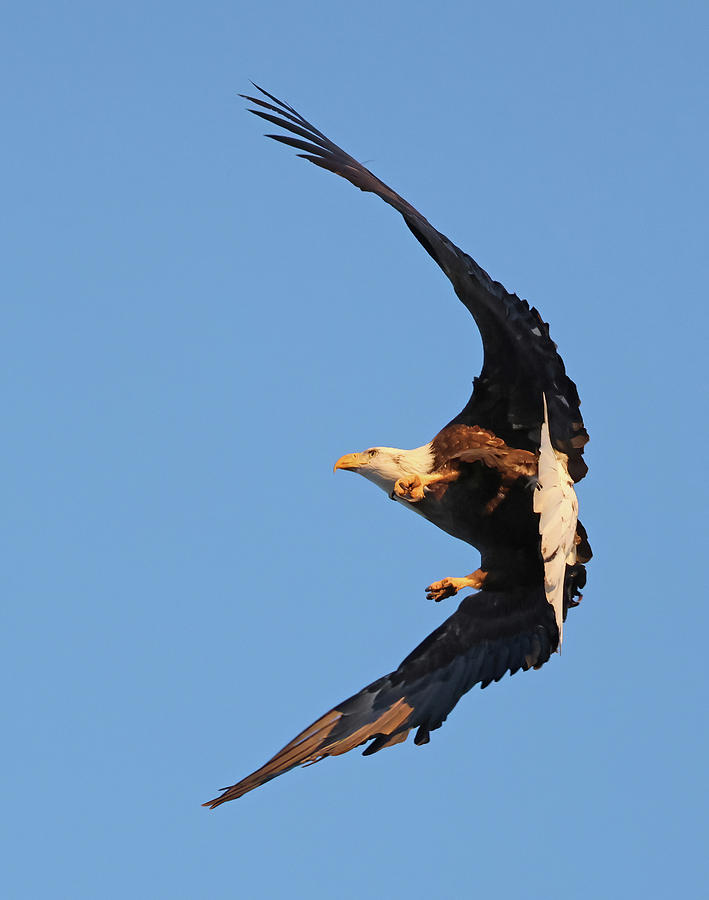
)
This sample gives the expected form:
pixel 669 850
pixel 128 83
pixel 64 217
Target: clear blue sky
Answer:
pixel 197 324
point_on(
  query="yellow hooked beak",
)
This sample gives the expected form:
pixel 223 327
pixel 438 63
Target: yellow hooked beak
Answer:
pixel 350 461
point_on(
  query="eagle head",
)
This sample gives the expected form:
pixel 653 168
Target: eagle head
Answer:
pixel 385 465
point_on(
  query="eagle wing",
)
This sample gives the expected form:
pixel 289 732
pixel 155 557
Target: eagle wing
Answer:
pixel 520 359
pixel 490 633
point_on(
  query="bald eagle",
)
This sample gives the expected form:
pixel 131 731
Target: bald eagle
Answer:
pixel 499 476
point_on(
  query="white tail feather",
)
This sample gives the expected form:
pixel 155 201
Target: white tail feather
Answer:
pixel 555 501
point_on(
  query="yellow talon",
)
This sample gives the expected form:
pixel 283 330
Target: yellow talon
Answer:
pixel 410 488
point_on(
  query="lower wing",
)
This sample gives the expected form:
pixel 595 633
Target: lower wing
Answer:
pixel 491 633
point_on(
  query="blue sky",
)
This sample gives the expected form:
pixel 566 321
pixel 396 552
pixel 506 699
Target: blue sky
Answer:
pixel 197 325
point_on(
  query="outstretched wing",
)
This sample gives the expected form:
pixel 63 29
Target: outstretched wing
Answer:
pixel 520 361
pixel 489 634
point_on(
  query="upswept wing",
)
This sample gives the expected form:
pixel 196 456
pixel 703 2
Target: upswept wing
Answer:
pixel 555 501
pixel 490 633
pixel 520 360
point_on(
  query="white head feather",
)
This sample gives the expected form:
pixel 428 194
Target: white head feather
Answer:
pixel 385 465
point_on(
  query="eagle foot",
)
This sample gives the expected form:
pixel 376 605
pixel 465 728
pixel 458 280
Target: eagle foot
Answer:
pixel 449 587
pixel 410 488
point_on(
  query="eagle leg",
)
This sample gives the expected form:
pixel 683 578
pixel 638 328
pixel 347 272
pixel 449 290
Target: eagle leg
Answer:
pixel 413 487
pixel 449 587
pixel 508 478
pixel 501 494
